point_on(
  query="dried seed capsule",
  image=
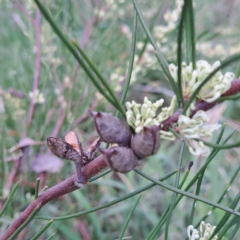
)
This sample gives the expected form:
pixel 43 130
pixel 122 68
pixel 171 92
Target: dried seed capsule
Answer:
pixel 111 129
pixel 62 149
pixel 147 142
pixel 120 159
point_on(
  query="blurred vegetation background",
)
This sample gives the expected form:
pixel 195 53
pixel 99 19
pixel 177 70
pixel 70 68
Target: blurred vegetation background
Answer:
pixel 33 57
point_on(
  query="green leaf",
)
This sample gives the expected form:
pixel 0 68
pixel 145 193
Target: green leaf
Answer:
pixel 101 78
pixel 75 54
pixel 217 146
pixel 163 62
pixel 179 53
pixel 34 212
pixel 190 32
pixel 9 198
pixel 232 98
pixel 190 195
pixel 226 216
pixel 172 203
pixel 94 209
pixel 42 230
pixel 128 218
pixel 220 198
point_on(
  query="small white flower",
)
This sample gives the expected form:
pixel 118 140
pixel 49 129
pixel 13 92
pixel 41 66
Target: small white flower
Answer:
pixel 191 79
pixel 196 127
pixel 193 233
pixel 37 96
pixel 206 231
pixel 139 116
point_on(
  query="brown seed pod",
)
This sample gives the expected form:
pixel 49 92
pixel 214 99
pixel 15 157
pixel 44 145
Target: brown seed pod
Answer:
pixel 120 159
pixel 70 149
pixel 147 142
pixel 62 149
pixel 111 129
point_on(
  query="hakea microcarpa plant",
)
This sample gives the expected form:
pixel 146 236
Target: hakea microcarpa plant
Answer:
pixel 146 119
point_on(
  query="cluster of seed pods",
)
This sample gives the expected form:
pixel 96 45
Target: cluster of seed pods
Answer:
pixel 131 148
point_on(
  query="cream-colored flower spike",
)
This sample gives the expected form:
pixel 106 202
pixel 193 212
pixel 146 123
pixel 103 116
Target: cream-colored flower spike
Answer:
pixel 196 127
pixel 191 79
pixel 206 231
pixel 193 233
pixel 145 115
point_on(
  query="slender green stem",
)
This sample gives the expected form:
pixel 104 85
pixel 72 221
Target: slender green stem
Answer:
pixel 184 178
pixel 37 188
pixel 51 236
pixel 163 218
pixel 199 182
pixel 35 211
pixel 226 216
pixel 223 146
pixel 235 230
pixel 131 59
pixel 109 203
pixel 163 62
pixel 128 218
pixel 220 198
pixel 42 230
pixel 99 175
pixel 192 27
pixel 74 53
pixel 9 198
pixel 179 53
pixel 153 22
pixel 99 75
pixel 174 194
pixel 232 98
pixel 44 189
pixel 190 32
pixel 190 195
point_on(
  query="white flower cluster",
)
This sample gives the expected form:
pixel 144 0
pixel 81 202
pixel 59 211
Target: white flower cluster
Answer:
pixel 37 96
pixel 206 231
pixel 140 116
pixel 196 127
pixel 192 78
pixel 191 129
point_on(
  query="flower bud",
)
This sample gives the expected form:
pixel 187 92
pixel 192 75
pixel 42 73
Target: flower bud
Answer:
pixel 111 129
pixel 147 142
pixel 120 159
